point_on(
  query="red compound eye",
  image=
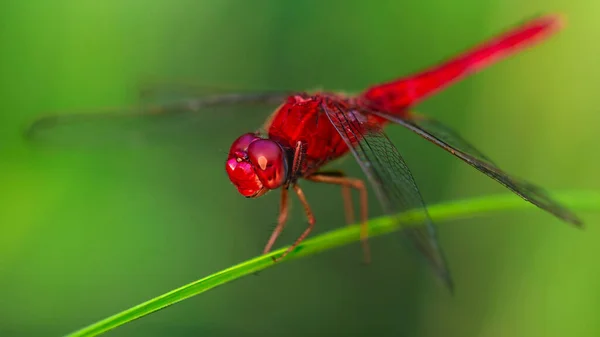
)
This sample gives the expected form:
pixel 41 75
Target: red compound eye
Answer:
pixel 240 145
pixel 269 162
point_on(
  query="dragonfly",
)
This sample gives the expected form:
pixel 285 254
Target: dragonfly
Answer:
pixel 308 130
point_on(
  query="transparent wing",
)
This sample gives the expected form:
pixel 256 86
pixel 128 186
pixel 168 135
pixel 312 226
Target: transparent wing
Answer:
pixel 175 119
pixel 452 142
pixel 391 179
pixel 157 91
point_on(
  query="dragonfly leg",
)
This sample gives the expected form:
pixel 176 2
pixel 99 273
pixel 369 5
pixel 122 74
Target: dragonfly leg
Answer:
pixel 309 216
pixel 338 178
pixel 348 204
pixel 346 195
pixel 299 154
pixel 281 220
pixel 283 213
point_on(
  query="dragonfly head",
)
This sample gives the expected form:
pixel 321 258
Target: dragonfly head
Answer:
pixel 256 165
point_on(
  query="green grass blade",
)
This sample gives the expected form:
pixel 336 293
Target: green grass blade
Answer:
pixel 440 212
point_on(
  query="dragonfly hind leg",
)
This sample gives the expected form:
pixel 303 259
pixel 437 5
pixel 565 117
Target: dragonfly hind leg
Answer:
pixel 339 178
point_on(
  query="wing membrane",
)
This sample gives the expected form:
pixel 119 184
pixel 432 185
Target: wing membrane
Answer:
pixel 165 92
pixel 166 120
pixel 391 179
pixel 452 142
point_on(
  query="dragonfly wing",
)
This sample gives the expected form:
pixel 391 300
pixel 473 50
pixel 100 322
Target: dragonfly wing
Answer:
pixel 451 141
pixel 391 179
pixel 165 92
pixel 169 120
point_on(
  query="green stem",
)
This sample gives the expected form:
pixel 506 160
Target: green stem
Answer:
pixel 378 226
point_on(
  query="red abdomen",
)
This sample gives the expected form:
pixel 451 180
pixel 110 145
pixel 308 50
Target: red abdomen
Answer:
pixel 301 119
pixel 397 96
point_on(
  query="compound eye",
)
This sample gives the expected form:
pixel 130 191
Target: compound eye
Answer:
pixel 270 164
pixel 241 144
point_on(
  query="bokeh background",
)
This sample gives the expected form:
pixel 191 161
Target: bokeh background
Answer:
pixel 91 230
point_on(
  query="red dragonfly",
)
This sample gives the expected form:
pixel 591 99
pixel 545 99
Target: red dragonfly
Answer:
pixel 309 130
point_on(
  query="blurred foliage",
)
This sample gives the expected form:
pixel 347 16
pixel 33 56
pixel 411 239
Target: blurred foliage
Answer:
pixel 146 216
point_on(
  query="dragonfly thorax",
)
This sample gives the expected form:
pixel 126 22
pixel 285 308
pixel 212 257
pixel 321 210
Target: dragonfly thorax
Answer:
pixel 256 165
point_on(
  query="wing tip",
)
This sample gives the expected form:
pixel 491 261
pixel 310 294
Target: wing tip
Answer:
pixel 446 278
pixel 572 219
pixel 31 130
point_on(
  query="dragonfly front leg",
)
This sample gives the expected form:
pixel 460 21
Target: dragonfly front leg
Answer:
pixel 299 153
pixel 339 178
pixel 310 218
pixel 283 215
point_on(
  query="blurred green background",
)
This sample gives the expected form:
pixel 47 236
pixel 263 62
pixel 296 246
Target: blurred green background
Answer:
pixel 86 232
